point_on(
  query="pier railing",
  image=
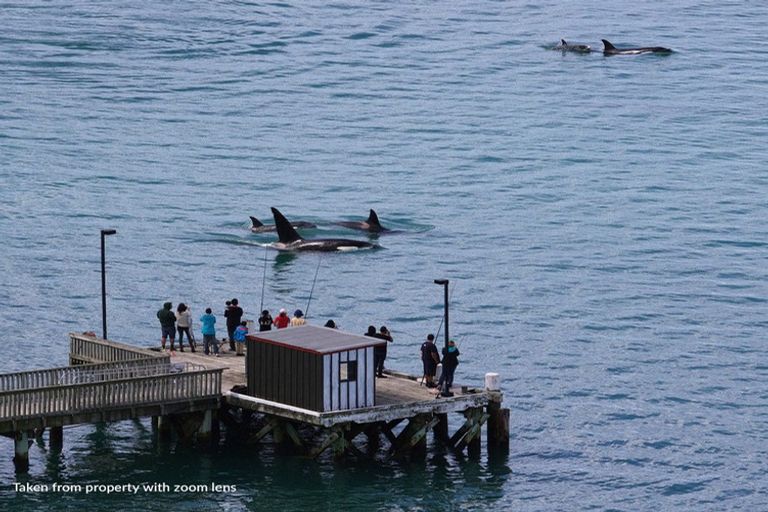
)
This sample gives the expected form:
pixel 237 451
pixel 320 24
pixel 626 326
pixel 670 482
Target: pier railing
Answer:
pixel 122 393
pixel 85 373
pixel 90 349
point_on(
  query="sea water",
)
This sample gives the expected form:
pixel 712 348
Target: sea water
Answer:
pixel 602 222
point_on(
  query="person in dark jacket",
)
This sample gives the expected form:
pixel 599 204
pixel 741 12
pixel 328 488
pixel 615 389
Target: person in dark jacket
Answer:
pixel 379 352
pixel 265 321
pixel 234 315
pixel 167 324
pixel 430 357
pixel 450 362
pixel 386 336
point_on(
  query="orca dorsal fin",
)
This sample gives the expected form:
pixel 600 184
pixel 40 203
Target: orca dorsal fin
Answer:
pixel 607 44
pixel 285 231
pixel 563 43
pixel 256 222
pixel 373 219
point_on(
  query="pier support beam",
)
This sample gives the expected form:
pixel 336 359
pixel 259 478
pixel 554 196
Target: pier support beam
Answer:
pixel 56 438
pixel 441 428
pixel 498 426
pixel 208 432
pixel 373 434
pixel 21 449
pixel 468 435
pixel 413 437
pixel 164 427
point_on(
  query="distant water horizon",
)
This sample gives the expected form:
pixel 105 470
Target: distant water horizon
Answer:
pixel 601 220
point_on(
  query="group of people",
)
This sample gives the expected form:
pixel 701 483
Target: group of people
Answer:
pixel 237 330
pixel 430 358
pixel 379 351
pixel 281 321
pixel 171 322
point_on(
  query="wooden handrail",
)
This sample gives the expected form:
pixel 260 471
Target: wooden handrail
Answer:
pixel 112 394
pixel 93 372
pixel 97 350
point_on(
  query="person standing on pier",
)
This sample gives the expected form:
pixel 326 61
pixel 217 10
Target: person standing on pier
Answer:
pixel 208 321
pixel 240 333
pixel 234 314
pixel 450 362
pixel 379 352
pixel 183 324
pixel 298 318
pixel 386 336
pixel 282 320
pixel 265 321
pixel 430 357
pixel 167 324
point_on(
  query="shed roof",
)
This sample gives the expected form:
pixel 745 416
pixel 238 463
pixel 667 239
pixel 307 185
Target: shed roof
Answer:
pixel 318 340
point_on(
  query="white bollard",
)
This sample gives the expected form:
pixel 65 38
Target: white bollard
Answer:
pixel 492 382
pixel 438 372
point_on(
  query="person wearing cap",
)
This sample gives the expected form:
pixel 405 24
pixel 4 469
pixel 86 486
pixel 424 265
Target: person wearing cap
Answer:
pixel 430 357
pixel 282 320
pixel 298 318
pixel 450 362
pixel 265 321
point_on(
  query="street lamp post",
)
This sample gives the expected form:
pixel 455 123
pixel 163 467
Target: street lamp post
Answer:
pixel 104 233
pixel 444 282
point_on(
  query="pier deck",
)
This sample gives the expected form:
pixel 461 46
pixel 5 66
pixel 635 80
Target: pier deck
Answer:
pixel 397 396
pixel 190 393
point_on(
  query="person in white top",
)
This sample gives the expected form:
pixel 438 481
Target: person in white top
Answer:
pixel 183 324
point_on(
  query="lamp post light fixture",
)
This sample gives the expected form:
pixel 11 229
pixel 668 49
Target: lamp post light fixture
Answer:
pixel 104 233
pixel 444 282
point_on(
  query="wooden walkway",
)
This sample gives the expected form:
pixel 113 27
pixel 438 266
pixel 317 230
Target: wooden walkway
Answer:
pixel 397 396
pixel 188 391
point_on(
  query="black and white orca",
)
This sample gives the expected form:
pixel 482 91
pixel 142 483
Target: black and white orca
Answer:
pixel 291 241
pixel 371 225
pixel 259 227
pixel 576 48
pixel 609 49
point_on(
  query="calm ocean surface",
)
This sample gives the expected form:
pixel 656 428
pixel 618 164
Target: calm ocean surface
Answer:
pixel 602 221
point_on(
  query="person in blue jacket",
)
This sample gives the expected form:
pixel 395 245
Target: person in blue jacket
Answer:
pixel 241 331
pixel 208 321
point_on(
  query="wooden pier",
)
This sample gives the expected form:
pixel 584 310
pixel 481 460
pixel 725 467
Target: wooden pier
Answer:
pixel 191 392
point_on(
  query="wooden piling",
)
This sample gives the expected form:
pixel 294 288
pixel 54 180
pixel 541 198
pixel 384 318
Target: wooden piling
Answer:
pixel 441 428
pixel 56 438
pixel 21 449
pixel 164 428
pixel 498 426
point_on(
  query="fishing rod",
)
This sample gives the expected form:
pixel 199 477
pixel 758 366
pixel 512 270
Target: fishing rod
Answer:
pixel 263 281
pixel 317 270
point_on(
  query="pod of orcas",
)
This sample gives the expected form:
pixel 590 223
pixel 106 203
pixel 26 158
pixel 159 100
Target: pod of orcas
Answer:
pixel 290 240
pixel 371 225
pixel 610 49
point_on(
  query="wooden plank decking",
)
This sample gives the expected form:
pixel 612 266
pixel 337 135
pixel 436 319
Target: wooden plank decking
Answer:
pixel 397 396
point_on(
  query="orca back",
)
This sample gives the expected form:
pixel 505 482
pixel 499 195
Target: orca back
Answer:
pixel 285 231
pixel 373 219
pixel 256 222
pixel 608 47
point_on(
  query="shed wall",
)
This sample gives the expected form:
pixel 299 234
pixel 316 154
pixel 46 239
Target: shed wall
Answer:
pixel 285 375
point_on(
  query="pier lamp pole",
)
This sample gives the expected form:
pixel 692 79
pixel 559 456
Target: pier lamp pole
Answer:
pixel 444 282
pixel 104 233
